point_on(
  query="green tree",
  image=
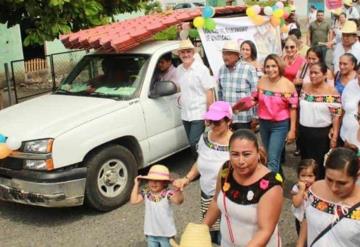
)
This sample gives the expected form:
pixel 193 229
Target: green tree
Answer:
pixel 45 20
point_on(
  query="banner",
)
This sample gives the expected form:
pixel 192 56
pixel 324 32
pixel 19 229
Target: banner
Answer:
pixel 333 4
pixel 239 29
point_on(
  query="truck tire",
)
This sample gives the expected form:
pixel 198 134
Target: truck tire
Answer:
pixel 110 177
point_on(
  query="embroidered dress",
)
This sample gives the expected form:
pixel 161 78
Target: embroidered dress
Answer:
pixel 159 219
pixel 320 213
pixel 211 157
pixel 315 121
pixel 275 106
pixel 241 207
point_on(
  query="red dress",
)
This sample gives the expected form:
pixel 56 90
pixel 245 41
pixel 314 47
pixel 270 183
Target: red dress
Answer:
pixel 291 70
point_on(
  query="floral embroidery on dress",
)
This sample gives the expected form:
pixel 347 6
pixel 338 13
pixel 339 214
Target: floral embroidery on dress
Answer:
pixel 226 186
pixel 250 195
pixel 323 98
pixel 264 184
pixel 214 146
pixel 166 193
pixel 278 94
pixel 279 178
pixel 332 208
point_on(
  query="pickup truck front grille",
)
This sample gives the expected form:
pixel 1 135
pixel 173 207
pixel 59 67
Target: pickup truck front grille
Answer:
pixel 12 163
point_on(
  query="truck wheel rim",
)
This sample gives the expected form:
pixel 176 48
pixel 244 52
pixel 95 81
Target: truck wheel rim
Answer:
pixel 112 178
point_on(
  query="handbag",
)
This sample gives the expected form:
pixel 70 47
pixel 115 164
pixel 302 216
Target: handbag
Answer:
pixel 331 225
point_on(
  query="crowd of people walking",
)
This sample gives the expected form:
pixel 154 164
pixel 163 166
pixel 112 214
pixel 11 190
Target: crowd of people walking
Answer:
pixel 297 98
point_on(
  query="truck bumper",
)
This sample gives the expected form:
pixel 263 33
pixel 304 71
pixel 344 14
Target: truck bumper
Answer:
pixel 52 192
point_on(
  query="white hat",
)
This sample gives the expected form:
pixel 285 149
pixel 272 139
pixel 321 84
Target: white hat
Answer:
pixel 231 46
pixel 185 45
pixel 349 27
pixel 348 2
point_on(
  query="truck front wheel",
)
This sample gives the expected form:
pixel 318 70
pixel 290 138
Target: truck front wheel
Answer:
pixel 110 175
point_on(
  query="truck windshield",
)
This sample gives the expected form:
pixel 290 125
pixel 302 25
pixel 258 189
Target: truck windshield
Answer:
pixel 108 76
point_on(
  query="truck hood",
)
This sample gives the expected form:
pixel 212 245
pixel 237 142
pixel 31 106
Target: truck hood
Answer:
pixel 51 115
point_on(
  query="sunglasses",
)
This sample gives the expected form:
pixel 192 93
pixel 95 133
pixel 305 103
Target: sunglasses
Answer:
pixel 357 117
pixel 215 123
pixel 290 47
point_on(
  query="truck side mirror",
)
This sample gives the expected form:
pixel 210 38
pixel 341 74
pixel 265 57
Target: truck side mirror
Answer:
pixel 162 88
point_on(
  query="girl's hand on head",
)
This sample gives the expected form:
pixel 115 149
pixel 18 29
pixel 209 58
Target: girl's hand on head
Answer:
pixel 137 180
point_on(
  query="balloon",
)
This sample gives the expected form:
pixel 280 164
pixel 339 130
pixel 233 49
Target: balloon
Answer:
pixel 257 9
pixel 199 22
pixel 287 9
pixel 4 151
pixel 258 19
pixel 282 22
pixel 13 143
pixel 284 29
pixel 286 15
pixel 2 138
pixel 278 13
pixel 274 7
pixel 209 24
pixel 280 5
pixel 274 21
pixel 208 12
pixel 250 12
pixel 268 11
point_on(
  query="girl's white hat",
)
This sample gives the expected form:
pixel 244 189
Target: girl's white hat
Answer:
pixel 194 235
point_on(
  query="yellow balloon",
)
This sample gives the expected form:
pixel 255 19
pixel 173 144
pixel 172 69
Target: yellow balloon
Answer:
pixel 199 22
pixel 250 12
pixel 4 151
pixel 278 13
pixel 258 19
pixel 274 21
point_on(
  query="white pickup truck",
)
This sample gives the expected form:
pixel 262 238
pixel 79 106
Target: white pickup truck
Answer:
pixel 86 141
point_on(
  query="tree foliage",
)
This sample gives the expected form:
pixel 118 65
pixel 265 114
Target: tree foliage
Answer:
pixel 45 19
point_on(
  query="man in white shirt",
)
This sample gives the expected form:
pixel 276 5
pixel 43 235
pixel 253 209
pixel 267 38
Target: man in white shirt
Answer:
pixel 349 44
pixel 351 12
pixel 197 92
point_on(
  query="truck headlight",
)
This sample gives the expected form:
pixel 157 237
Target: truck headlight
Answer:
pixel 43 165
pixel 38 146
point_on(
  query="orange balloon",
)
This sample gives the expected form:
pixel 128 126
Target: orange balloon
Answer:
pixel 284 29
pixel 5 151
pixel 275 21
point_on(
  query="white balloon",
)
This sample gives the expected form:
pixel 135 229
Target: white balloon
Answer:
pixel 257 9
pixel 13 143
pixel 268 11
pixel 280 5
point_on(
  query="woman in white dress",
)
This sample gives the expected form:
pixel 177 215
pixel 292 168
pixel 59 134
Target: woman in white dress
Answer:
pixel 333 206
pixel 248 196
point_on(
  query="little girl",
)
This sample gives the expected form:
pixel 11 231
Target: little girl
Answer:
pixel 159 225
pixel 306 172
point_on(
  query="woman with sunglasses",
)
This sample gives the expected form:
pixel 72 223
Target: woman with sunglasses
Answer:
pixel 213 151
pixel 350 103
pixel 332 214
pixel 320 111
pixel 346 73
pixel 292 59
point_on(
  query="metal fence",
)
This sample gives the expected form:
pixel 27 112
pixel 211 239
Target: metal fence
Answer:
pixel 28 79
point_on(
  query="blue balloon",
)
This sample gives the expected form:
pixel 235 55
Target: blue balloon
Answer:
pixel 207 12
pixel 2 138
pixel 275 7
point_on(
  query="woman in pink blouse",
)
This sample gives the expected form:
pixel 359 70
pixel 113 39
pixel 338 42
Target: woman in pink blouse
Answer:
pixel 293 61
pixel 277 102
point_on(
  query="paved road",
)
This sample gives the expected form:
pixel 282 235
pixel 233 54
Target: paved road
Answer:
pixel 22 225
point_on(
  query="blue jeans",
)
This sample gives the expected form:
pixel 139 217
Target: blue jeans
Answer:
pixel 155 241
pixel 193 130
pixel 273 135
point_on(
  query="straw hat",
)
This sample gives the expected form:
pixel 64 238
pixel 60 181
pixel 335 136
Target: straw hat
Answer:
pixel 194 235
pixel 349 27
pixel 231 46
pixel 337 11
pixel 157 172
pixel 348 2
pixel 185 45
